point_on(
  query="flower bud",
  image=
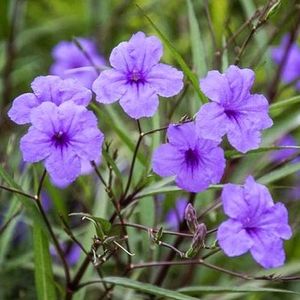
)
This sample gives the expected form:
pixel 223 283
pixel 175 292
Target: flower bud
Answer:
pixel 198 240
pixel 191 218
pixel 199 236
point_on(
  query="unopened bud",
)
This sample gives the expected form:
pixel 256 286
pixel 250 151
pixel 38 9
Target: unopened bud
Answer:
pixel 191 218
pixel 198 240
pixel 199 236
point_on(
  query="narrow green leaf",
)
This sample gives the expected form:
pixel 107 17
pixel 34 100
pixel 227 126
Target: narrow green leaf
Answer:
pixel 154 190
pixel 232 154
pixel 282 172
pixel 197 47
pixel 186 70
pixel 44 281
pixel 146 288
pixel 284 104
pixel 196 290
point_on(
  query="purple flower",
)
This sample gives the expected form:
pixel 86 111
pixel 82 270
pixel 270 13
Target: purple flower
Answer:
pixel 176 215
pixel 233 110
pixel 291 68
pixel 48 88
pixel 280 155
pixel 71 62
pixel 137 77
pixel 255 224
pixel 196 162
pixel 65 137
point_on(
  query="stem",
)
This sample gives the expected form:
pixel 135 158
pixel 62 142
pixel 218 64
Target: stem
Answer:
pixel 133 163
pixel 262 19
pixel 12 190
pixel 5 225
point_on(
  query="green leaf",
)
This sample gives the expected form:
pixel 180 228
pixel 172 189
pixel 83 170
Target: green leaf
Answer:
pixel 146 288
pixel 44 281
pixel 232 154
pixel 198 51
pixel 284 104
pixel 156 189
pixel 186 70
pixel 282 172
pixel 196 290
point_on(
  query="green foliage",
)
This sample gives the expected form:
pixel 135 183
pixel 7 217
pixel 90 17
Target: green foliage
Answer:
pixel 44 280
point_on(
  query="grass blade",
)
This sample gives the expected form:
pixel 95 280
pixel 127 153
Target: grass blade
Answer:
pixel 44 281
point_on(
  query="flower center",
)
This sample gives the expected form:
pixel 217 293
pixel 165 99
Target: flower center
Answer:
pixel 60 139
pixel 231 114
pixel 192 158
pixel 136 77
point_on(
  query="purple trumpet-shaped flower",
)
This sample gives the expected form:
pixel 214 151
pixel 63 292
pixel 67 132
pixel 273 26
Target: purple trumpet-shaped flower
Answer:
pixel 48 89
pixel 196 162
pixel 255 224
pixel 291 67
pixel 137 77
pixel 66 137
pixel 233 110
pixel 71 62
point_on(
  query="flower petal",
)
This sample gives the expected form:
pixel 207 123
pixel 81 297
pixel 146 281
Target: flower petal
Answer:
pixel 45 88
pixel 233 201
pixel 21 108
pixel 257 197
pixel 267 249
pixel 276 221
pixel 255 112
pixel 72 90
pixel 144 51
pixel 139 101
pixel 211 121
pixel 215 86
pixel 242 136
pixel 182 136
pixel 87 143
pixel 45 118
pixel 35 145
pixel 74 119
pixel 233 238
pixel 120 58
pixel 63 166
pixel 212 161
pixel 165 80
pixel 240 82
pixel 166 160
pixel 110 86
pixel 192 180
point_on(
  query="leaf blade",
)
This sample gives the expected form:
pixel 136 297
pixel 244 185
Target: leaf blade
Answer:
pixel 44 280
